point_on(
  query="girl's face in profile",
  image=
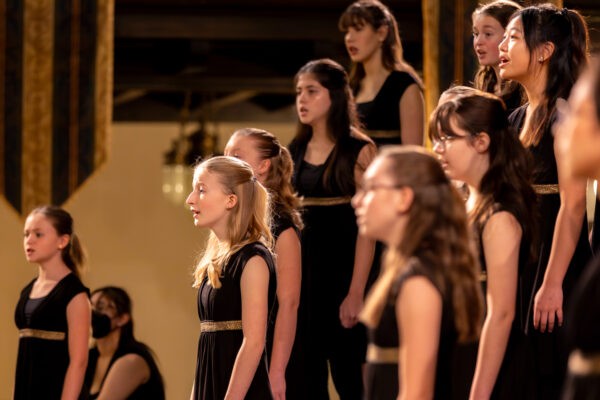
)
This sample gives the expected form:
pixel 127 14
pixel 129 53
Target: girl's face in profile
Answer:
pixel 514 55
pixel 208 201
pixel 312 100
pixel 374 202
pixel 487 35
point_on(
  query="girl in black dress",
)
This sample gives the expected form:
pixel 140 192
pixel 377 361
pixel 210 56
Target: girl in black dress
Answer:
pixel 235 279
pixel 471 137
pixel 388 91
pixel 545 50
pixel 273 167
pixel 489 23
pixel 53 313
pixel 427 297
pixel 330 155
pixel 119 367
pixel 578 135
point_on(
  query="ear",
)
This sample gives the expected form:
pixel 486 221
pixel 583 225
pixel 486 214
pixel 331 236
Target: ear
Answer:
pixel 546 51
pixel 263 167
pixel 382 33
pixel 481 143
pixel 406 197
pixel 63 241
pixel 231 201
pixel 123 320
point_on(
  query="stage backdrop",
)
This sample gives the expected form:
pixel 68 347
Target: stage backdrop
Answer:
pixel 56 59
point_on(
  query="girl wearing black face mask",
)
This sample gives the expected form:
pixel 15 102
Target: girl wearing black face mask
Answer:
pixel 119 366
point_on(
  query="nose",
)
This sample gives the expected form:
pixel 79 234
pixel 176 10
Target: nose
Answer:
pixel 476 40
pixel 438 147
pixel 357 198
pixel 348 37
pixel 188 200
pixel 502 45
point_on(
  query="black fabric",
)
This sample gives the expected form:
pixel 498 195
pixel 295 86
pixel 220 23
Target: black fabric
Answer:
pixel 153 389
pixel 549 348
pixel 584 331
pixel 218 350
pixel 328 243
pixel 383 112
pixel 41 363
pixel 513 381
pixel 382 379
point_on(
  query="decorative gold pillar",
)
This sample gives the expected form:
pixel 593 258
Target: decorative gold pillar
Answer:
pixel 431 55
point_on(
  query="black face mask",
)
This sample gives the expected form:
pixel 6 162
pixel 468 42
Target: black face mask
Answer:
pixel 101 325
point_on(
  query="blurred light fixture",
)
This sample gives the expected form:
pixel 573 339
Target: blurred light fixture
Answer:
pixel 185 151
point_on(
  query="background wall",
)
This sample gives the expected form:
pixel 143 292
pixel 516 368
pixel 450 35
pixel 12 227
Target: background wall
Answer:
pixel 135 239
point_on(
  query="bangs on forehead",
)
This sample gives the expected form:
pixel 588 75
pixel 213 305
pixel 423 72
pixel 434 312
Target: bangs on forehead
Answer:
pixel 353 18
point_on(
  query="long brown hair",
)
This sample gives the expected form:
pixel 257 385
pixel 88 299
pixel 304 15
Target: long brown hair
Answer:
pixel 567 30
pixel 249 219
pixel 376 14
pixel 508 178
pixel 342 123
pixel 73 254
pixel 279 176
pixel 439 239
pixel 486 78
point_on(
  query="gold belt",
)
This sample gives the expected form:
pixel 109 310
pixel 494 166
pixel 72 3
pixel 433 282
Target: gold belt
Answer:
pixel 41 334
pixel 383 134
pixel 546 189
pixel 580 364
pixel 325 201
pixel 382 355
pixel 214 326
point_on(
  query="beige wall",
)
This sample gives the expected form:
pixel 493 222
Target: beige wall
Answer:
pixel 135 239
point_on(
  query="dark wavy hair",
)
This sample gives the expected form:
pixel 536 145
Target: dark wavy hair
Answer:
pixel 73 254
pixel 376 14
pixel 486 78
pixel 437 236
pixel 342 123
pixel 567 30
pixel 122 302
pixel 279 177
pixel 508 179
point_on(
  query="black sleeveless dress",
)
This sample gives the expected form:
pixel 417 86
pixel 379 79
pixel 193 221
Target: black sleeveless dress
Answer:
pixel 583 334
pixel 381 370
pixel 513 378
pixel 153 389
pixel 549 348
pixel 328 244
pixel 381 116
pixel 43 355
pixel 218 348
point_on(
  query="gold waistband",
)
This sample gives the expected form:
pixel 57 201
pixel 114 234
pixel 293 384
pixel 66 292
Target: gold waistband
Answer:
pixel 41 334
pixel 383 134
pixel 214 326
pixel 580 364
pixel 546 189
pixel 382 355
pixel 325 201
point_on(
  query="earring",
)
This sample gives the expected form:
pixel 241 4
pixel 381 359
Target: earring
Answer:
pixel 541 59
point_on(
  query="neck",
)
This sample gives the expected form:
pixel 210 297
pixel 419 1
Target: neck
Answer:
pixel 535 87
pixel 473 197
pixel 54 269
pixel 373 66
pixel 108 344
pixel 319 133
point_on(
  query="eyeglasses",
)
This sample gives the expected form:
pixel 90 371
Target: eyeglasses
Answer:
pixel 442 140
pixel 374 187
